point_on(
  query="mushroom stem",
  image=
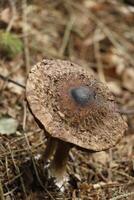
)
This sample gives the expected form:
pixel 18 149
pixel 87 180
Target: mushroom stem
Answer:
pixel 50 149
pixel 58 165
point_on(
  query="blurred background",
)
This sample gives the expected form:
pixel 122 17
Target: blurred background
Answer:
pixel 98 34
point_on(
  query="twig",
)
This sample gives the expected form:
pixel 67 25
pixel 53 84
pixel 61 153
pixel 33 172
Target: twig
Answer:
pixel 126 112
pixel 11 81
pixel 122 196
pixel 7 167
pixel 1 192
pixel 66 35
pixel 105 185
pixel 12 4
pixel 25 39
pixel 13 179
pixel 98 56
pixel 10 192
pixel 110 163
pixel 24 115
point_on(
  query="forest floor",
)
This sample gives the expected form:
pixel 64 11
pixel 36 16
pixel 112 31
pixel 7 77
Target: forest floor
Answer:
pixel 96 34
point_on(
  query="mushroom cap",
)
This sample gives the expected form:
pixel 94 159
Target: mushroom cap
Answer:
pixel 73 106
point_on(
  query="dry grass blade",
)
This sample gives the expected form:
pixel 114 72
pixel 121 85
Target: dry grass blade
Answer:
pixel 13 7
pixel 66 35
pixel 1 192
pixel 25 39
pixel 10 193
pixel 123 196
pixel 18 171
pixel 98 56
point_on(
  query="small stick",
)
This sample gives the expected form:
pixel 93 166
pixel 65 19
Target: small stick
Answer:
pixel 24 116
pixel 122 196
pixel 10 192
pixel 105 185
pixel 11 81
pixel 13 179
pixel 1 192
pixel 98 56
pixel 66 35
pixel 25 39
pixel 109 167
pixel 126 112
pixel 12 4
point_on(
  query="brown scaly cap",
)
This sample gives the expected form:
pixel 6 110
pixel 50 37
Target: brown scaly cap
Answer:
pixel 73 105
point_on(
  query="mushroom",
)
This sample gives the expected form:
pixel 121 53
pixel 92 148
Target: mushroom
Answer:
pixel 74 109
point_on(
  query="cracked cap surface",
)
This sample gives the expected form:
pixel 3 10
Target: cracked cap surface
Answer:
pixel 73 105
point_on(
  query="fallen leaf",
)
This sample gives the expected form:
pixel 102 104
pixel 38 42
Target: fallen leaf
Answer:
pixel 128 79
pixel 8 125
pixel 6 15
pixel 101 157
pixel 115 87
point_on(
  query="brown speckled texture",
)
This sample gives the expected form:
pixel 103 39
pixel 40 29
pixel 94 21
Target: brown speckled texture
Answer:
pixel 96 126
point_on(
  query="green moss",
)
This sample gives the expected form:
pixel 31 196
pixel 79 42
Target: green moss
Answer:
pixel 10 45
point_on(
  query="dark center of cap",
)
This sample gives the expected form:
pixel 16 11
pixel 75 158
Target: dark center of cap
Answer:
pixel 82 95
